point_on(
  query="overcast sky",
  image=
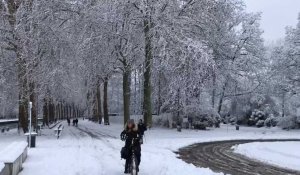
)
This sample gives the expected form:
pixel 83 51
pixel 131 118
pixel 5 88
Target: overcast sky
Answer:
pixel 277 14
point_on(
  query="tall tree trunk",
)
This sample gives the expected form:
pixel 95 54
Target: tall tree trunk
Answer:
pixel 95 108
pixel 51 111
pixel 126 93
pixel 105 101
pixel 45 113
pixel 12 7
pixel 283 105
pixel 159 103
pixel 32 98
pixel 147 106
pixel 222 97
pixel 67 111
pixel 98 99
pixel 213 91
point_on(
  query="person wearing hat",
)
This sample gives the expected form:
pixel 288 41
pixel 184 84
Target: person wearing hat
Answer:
pixel 141 128
pixel 129 134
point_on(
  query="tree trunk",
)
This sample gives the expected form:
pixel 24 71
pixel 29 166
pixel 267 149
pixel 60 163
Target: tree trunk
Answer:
pixel 147 106
pixel 105 101
pixel 159 103
pixel 222 98
pixel 95 107
pixel 213 91
pixel 98 101
pixel 283 105
pixel 32 98
pixel 51 111
pixel 45 113
pixel 126 93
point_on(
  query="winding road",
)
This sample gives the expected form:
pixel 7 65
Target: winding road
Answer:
pixel 219 157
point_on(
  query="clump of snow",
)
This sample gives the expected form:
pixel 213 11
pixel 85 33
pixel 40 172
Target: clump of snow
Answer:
pixel 12 152
pixel 283 154
pixel 1 166
pixel 8 120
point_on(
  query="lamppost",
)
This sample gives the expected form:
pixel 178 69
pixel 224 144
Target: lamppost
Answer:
pixel 30 122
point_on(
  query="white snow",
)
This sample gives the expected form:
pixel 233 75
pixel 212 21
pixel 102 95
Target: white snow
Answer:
pixel 8 120
pixel 76 152
pixel 12 152
pixel 1 166
pixel 283 154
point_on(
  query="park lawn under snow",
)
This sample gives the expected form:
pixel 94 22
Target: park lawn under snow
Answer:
pixel 1 166
pixel 95 149
pixel 283 154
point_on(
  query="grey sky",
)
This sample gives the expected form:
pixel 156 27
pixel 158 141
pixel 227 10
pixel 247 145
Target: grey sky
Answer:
pixel 277 14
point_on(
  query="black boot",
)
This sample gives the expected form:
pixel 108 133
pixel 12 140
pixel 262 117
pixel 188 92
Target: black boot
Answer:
pixel 126 167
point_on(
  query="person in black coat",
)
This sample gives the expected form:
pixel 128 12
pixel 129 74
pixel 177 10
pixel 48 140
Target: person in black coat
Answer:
pixel 141 128
pixel 131 137
pixel 69 121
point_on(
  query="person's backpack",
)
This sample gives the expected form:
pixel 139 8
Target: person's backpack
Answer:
pixel 124 153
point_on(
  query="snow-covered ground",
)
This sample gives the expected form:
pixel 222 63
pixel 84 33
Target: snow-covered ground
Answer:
pixel 283 154
pixel 95 149
pixel 8 120
pixel 1 166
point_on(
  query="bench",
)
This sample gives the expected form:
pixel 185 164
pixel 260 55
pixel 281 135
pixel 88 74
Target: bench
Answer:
pixel 58 130
pixel 13 157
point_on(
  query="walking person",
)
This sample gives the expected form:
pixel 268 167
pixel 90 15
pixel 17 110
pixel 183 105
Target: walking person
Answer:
pixel 141 129
pixel 69 121
pixel 76 122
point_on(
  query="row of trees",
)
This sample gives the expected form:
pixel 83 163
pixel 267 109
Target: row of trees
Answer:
pixel 129 57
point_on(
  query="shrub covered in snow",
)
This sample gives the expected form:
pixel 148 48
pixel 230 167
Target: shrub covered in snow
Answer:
pixel 206 116
pixel 271 121
pixel 260 123
pixel 289 122
pixel 257 118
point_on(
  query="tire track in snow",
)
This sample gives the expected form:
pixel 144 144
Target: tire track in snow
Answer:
pixel 219 157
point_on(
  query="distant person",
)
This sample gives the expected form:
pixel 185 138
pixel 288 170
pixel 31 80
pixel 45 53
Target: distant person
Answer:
pixel 76 122
pixel 69 121
pixel 141 129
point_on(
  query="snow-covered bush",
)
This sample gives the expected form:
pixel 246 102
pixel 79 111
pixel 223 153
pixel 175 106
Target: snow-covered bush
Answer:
pixel 257 118
pixel 288 122
pixel 260 123
pixel 271 121
pixel 205 115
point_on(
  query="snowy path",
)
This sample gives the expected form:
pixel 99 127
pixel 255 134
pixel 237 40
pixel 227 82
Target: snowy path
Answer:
pixel 75 153
pixel 282 154
pixel 93 149
pixel 219 156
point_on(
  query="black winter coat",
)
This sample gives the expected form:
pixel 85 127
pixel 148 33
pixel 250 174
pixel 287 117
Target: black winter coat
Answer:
pixel 142 128
pixel 129 137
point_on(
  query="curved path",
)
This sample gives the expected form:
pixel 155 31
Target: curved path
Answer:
pixel 219 157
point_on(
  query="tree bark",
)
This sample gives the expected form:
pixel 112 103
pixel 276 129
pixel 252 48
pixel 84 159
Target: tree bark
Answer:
pixel 45 113
pixel 105 101
pixel 147 104
pixel 12 8
pixel 213 91
pixel 98 100
pixel 283 105
pixel 32 98
pixel 126 93
pixel 222 98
